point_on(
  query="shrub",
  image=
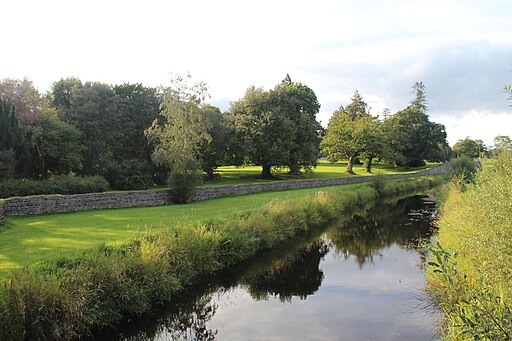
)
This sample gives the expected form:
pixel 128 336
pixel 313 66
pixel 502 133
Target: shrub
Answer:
pixel 183 186
pixel 129 174
pixel 462 169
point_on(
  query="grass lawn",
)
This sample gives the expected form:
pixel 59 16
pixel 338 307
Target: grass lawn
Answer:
pixel 230 175
pixel 26 240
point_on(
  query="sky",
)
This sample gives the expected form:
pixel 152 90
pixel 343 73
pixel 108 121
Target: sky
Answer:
pixel 460 50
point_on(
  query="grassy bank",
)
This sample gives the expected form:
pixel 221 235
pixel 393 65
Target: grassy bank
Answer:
pixel 66 298
pixel 473 262
pixel 31 239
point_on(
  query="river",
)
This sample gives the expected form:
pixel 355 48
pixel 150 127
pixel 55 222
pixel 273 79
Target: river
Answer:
pixel 361 278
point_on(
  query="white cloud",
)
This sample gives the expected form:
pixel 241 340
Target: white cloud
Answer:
pixel 461 50
pixel 474 124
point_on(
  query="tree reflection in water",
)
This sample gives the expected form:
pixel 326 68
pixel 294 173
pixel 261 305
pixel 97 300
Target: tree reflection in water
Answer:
pixel 298 275
pixel 406 223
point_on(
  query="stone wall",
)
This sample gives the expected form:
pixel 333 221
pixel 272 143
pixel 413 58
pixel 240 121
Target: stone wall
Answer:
pixel 84 202
pixel 97 201
pixel 2 214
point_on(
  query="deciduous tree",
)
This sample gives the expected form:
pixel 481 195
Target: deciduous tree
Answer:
pixel 468 147
pixel 24 97
pixel 411 138
pixel 277 128
pixel 56 146
pixel 502 142
pixel 352 132
pixel 213 151
pixel 177 137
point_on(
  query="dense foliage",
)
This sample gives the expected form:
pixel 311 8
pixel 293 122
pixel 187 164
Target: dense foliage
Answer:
pixel 57 184
pixel 276 128
pixel 462 170
pixel 352 132
pixel 470 148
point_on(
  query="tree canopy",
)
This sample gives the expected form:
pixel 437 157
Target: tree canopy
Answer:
pixel 277 128
pixel 352 132
pixel 177 137
pixel 468 147
pixel 411 138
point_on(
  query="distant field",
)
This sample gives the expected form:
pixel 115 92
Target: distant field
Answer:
pixel 231 175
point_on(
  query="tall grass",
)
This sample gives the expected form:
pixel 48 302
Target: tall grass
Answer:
pixel 472 268
pixel 66 299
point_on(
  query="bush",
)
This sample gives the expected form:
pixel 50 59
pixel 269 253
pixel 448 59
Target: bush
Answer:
pixel 129 174
pixel 58 184
pixel 462 169
pixel 183 186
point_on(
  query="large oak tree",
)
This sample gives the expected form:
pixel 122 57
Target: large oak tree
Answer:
pixel 276 128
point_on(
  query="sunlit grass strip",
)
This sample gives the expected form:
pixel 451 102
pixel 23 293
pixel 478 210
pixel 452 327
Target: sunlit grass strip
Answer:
pixel 65 299
pixel 472 283
pixel 231 175
pixel 31 239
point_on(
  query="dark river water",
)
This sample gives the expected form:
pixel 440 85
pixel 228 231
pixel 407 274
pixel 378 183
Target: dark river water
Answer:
pixel 361 278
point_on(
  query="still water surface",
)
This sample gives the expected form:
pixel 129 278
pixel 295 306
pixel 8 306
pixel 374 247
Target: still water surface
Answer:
pixel 359 279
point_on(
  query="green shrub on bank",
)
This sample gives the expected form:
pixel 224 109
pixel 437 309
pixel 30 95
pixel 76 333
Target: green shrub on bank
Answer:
pixel 462 170
pixel 476 226
pixel 65 299
pixel 58 184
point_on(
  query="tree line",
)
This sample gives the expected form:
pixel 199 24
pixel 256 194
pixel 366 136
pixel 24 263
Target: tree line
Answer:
pixel 136 136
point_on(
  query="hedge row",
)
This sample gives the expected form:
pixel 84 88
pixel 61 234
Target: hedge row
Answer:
pixel 59 184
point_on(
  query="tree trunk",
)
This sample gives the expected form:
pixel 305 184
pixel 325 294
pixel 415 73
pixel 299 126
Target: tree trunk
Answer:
pixel 266 171
pixel 210 174
pixel 368 164
pixel 350 165
pixel 294 169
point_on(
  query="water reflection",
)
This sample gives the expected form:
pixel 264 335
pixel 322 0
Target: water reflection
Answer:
pixel 296 275
pixel 407 223
pixel 260 299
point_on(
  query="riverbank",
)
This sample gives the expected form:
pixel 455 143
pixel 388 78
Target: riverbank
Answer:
pixel 65 299
pixel 471 268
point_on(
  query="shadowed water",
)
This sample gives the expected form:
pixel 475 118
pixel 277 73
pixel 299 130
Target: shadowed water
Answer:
pixel 359 279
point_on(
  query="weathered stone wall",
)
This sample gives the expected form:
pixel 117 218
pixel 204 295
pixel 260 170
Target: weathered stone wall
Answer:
pixel 2 214
pixel 83 202
pixel 97 201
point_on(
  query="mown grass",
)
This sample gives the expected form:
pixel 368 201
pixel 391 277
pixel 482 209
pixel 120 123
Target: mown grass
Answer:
pixel 65 298
pixel 230 175
pixel 473 262
pixel 30 239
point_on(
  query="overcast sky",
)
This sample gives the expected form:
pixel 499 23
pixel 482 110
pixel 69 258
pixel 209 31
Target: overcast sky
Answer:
pixel 461 50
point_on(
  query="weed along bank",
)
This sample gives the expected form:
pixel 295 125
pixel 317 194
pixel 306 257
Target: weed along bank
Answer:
pixel 67 297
